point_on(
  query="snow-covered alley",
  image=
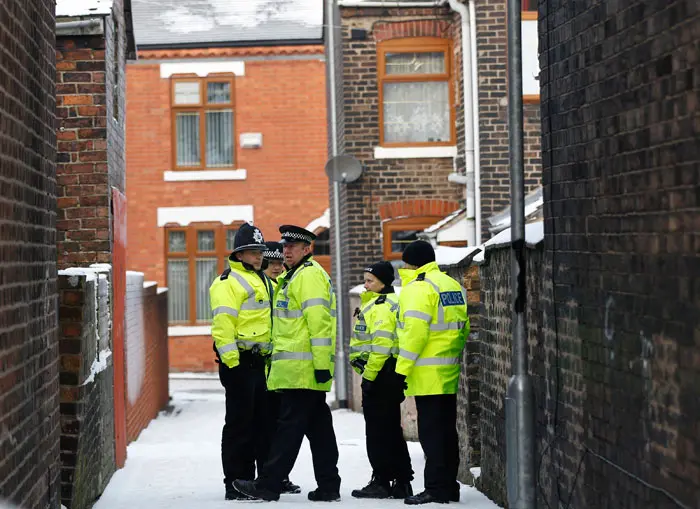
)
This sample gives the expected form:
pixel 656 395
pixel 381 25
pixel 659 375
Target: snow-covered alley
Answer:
pixel 175 463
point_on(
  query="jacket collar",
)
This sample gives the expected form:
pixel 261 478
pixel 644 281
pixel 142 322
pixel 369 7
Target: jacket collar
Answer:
pixel 288 275
pixel 240 266
pixel 408 275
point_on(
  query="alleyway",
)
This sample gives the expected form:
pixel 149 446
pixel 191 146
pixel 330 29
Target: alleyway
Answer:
pixel 175 462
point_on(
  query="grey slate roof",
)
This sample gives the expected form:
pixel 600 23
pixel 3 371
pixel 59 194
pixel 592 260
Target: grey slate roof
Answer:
pixel 216 22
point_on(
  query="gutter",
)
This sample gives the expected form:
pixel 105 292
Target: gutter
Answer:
pixel 232 44
pixel 91 26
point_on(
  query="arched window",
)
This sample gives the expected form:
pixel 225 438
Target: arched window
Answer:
pixel 401 232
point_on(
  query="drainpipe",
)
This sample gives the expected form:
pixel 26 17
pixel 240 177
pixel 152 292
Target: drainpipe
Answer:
pixel 341 383
pixel 468 23
pixel 475 120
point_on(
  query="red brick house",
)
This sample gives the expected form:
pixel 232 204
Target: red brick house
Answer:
pixel 227 124
pixel 432 143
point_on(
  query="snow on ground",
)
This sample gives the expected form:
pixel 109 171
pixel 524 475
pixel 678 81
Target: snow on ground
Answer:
pixel 175 463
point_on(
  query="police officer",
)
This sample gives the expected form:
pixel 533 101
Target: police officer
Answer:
pixel 373 349
pixel 273 265
pixel 432 329
pixel 241 326
pixel 302 370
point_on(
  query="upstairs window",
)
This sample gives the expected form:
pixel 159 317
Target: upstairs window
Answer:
pixel 416 92
pixel 203 123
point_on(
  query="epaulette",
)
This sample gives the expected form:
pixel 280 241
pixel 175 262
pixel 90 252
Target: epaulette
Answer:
pixel 381 299
pixel 225 273
pixel 421 277
pixel 308 264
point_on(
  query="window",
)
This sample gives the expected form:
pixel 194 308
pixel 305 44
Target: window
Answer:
pixel 401 232
pixel 529 9
pixel 203 123
pixel 416 92
pixel 322 248
pixel 195 255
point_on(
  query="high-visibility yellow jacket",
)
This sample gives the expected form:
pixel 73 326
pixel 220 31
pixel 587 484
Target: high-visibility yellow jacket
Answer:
pixel 374 338
pixel 303 335
pixel 241 312
pixel 432 329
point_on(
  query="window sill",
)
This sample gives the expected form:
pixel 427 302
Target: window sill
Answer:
pixel 204 175
pixel 189 330
pixel 414 152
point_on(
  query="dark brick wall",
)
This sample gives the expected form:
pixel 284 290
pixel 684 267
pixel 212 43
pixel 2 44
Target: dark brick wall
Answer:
pixel 621 122
pixel 492 44
pixel 29 419
pixel 87 397
pixel 91 150
pixel 614 308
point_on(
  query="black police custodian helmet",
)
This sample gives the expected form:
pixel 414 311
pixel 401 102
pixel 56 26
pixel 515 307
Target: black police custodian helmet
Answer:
pixel 248 237
pixel 273 251
pixel 291 233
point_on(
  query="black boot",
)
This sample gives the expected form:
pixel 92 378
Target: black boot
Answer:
pixel 289 487
pixel 401 490
pixel 375 489
pixel 233 494
pixel 254 491
pixel 319 495
pixel 454 496
pixel 425 498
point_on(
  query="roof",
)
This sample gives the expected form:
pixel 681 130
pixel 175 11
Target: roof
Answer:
pixel 323 221
pixel 74 8
pixel 534 202
pixel 445 221
pixel 534 235
pixel 201 23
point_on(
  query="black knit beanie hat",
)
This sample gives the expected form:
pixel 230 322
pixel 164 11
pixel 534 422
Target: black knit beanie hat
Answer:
pixel 384 271
pixel 418 253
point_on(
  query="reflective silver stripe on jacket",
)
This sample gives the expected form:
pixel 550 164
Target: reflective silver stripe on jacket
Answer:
pixel 318 301
pixel 249 345
pixel 383 334
pixel 381 349
pixel 251 305
pixel 419 315
pixel 360 348
pixel 224 310
pixel 287 313
pixel 437 361
pixel 292 356
pixel 321 342
pixel 226 348
pixel 447 326
pixel 246 286
pixel 408 355
pixel 362 336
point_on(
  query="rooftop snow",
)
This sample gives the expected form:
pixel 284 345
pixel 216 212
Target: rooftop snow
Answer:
pixel 323 221
pixel 73 8
pixel 174 22
pixel 444 221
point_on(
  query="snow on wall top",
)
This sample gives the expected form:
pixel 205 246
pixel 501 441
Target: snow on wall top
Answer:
pixel 74 8
pixel 170 22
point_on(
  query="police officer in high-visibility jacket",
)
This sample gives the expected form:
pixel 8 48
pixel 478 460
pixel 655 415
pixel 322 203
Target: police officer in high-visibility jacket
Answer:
pixel 273 266
pixel 273 261
pixel 373 350
pixel 241 326
pixel 302 369
pixel 432 329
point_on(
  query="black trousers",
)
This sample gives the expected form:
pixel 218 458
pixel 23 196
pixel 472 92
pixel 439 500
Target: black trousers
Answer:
pixel 302 412
pixel 386 447
pixel 437 432
pixel 242 442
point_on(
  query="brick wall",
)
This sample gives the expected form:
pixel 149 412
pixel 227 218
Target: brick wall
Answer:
pixel 146 353
pixel 492 55
pixel 90 82
pixel 29 418
pixel 87 397
pixel 620 127
pixel 282 96
pixel 384 181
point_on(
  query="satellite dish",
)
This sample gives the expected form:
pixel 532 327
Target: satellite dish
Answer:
pixel 343 168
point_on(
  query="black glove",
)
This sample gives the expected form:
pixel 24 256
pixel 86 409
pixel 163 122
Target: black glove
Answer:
pixel 322 375
pixel 401 381
pixel 367 386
